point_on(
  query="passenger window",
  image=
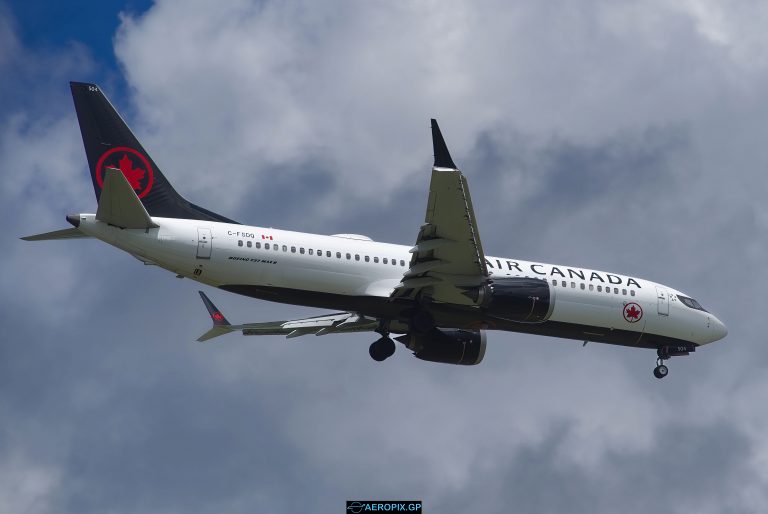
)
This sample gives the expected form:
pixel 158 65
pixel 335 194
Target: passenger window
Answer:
pixel 615 290
pixel 367 259
pixel 338 255
pixel 394 262
pixel 266 246
pixel 301 251
pixel 573 285
pixel 599 289
pixel 277 248
pixel 632 292
pixel 554 282
pixel 384 260
pixel 402 262
pixel 248 244
pixel 591 287
pixel 327 253
pixel 375 259
pixel 582 287
pixel 624 292
pixel 349 256
pixel 565 284
pixel 258 245
pixel 310 251
pixel 285 248
pixel 293 249
pixel 357 257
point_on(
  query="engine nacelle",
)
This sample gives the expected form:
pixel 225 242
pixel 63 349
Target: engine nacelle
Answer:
pixel 447 345
pixel 527 300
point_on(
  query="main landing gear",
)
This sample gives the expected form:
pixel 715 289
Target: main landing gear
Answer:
pixel 421 322
pixel 382 348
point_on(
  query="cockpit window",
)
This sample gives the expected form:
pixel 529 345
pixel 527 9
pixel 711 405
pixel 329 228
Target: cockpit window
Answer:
pixel 690 302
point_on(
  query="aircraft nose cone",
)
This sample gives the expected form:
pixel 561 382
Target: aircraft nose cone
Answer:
pixel 717 329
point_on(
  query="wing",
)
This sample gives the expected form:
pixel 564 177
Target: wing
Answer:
pixel 448 258
pixel 342 322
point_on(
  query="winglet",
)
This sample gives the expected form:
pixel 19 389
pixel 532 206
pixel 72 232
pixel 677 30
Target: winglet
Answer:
pixel 442 156
pixel 220 324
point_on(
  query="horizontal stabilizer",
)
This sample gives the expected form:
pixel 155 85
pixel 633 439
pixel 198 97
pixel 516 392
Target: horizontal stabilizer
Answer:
pixel 67 233
pixel 119 205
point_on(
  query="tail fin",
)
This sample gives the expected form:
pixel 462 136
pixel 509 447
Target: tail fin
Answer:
pixel 109 143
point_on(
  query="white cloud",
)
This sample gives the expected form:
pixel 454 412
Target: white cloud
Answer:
pixel 26 486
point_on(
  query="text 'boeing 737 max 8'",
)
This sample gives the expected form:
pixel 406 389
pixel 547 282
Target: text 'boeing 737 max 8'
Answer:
pixel 439 295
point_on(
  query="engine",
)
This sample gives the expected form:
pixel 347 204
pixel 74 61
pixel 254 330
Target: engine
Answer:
pixel 527 300
pixel 447 345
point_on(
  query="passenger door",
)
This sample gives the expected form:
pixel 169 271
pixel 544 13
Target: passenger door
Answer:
pixel 662 299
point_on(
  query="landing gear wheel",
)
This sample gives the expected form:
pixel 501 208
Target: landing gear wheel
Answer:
pixel 381 349
pixel 660 371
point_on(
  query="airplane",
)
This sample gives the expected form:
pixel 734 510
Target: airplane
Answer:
pixel 438 296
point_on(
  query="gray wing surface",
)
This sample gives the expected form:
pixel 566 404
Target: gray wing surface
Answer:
pixel 448 257
pixel 342 322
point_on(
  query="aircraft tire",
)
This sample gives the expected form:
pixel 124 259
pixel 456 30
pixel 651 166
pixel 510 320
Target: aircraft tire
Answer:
pixel 660 371
pixel 381 349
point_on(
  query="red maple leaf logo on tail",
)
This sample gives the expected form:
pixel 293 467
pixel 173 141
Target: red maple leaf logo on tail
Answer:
pixel 133 175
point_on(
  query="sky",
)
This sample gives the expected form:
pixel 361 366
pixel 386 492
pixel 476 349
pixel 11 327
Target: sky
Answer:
pixel 624 136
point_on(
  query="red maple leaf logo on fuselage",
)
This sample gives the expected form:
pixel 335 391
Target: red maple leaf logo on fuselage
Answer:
pixel 133 175
pixel 633 313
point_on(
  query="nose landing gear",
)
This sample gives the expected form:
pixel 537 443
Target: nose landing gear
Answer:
pixel 661 371
pixel 665 352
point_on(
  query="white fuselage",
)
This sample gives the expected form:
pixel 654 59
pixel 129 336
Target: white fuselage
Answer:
pixel 221 254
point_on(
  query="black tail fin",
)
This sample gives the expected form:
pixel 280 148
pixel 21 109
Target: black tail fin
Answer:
pixel 110 143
